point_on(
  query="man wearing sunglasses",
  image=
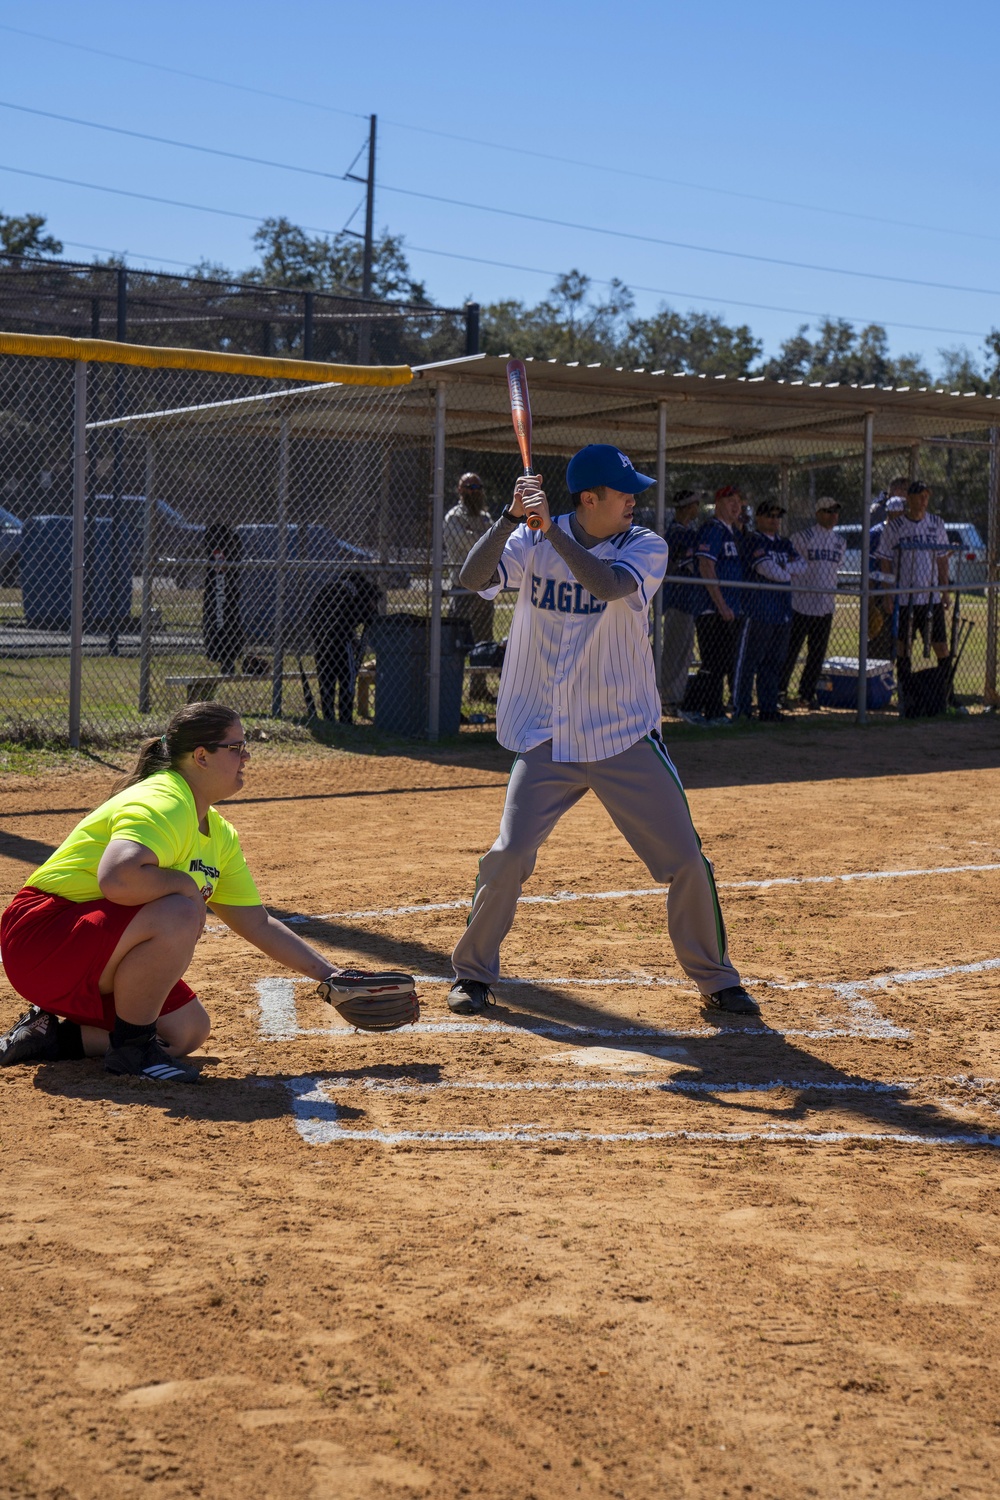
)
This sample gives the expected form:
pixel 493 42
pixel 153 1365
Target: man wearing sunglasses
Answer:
pixel 814 597
pixel 464 524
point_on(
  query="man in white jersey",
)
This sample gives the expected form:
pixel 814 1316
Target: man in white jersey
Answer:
pixel 578 703
pixel 913 551
pixel 822 549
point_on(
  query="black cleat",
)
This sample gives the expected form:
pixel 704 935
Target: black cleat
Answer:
pixel 148 1059
pixel 467 997
pixel 34 1038
pixel 734 1001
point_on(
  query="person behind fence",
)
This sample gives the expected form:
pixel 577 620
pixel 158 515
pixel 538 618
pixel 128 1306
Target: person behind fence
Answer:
pixel 681 601
pixel 719 620
pixel 579 707
pixel 104 931
pixel 914 551
pixel 822 550
pixel 772 560
pixel 888 500
pixel 339 610
pixel 882 607
pixel 222 625
pixel 464 524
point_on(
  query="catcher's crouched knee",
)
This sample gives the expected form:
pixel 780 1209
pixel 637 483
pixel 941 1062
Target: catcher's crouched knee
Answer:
pixel 381 1001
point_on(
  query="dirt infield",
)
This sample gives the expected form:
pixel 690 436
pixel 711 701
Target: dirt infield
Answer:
pixel 592 1244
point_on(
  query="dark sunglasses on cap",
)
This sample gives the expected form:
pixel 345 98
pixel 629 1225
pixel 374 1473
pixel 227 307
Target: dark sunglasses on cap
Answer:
pixel 464 486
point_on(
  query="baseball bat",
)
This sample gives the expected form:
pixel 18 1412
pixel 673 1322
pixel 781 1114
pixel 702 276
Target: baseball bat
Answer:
pixel 520 415
pixel 307 692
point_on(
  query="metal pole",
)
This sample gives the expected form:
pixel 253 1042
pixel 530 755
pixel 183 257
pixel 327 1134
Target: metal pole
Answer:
pixel 866 496
pixel 783 484
pixel 437 567
pixel 365 331
pixel 148 564
pixel 307 325
pixel 913 466
pixel 79 522
pixel 992 571
pixel 118 560
pixel 661 523
pixel 278 659
pixel 472 328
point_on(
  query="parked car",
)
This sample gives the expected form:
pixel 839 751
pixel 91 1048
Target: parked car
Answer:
pixel 966 563
pixel 10 548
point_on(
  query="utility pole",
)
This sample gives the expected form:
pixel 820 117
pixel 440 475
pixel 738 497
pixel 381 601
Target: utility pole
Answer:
pixel 365 331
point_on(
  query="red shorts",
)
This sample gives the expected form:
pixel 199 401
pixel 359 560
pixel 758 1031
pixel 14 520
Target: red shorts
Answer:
pixel 54 952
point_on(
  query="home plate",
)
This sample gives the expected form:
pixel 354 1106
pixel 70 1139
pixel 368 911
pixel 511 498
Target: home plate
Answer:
pixel 620 1059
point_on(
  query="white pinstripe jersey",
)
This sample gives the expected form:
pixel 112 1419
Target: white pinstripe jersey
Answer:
pixel 578 671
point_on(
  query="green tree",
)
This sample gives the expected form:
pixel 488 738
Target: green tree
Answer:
pixel 566 326
pixel 696 343
pixel 841 352
pixel 291 257
pixel 22 235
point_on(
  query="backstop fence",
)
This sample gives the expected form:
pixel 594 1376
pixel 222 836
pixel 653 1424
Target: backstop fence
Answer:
pixel 286 537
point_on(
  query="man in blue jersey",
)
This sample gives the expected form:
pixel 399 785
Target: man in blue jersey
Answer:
pixel 681 601
pixel 717 553
pixel 771 559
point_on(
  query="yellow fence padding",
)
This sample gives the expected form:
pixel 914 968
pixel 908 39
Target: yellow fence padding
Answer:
pixel 151 357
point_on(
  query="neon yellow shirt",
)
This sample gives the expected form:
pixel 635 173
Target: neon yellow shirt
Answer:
pixel 160 813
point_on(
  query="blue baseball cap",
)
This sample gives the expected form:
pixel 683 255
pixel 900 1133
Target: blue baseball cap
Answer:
pixel 603 463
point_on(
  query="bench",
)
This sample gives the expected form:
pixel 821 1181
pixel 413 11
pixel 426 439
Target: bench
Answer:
pixel 203 689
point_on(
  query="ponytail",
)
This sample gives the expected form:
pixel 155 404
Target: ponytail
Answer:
pixel 193 725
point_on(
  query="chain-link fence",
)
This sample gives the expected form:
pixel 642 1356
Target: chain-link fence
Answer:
pixel 292 548
pixel 80 300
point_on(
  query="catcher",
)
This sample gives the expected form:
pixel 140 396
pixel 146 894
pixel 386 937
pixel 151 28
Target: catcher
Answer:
pixel 99 939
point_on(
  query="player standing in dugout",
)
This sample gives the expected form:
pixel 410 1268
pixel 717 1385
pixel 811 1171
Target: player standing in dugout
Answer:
pixel 578 703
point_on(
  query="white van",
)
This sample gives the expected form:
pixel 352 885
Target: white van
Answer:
pixel 966 564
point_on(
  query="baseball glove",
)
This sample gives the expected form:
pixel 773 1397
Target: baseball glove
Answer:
pixel 381 1001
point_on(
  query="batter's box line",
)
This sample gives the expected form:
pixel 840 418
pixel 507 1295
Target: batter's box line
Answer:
pixel 278 1018
pixel 557 898
pixel 318 1122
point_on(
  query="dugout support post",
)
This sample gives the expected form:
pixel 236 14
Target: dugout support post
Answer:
pixel 992 571
pixel 437 565
pixel 866 497
pixel 661 526
pixel 148 565
pixel 281 571
pixel 79 522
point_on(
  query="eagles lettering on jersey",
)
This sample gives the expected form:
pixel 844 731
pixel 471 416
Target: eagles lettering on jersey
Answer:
pixel 567 598
pixel 578 670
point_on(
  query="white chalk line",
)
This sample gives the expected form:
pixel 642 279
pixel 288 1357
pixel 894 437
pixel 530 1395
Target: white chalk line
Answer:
pixel 317 1121
pixel 558 897
pixel 650 1086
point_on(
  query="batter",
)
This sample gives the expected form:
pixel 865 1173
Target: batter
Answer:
pixel 578 703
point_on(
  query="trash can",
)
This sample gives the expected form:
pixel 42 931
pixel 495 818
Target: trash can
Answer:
pixel 402 662
pixel 47 574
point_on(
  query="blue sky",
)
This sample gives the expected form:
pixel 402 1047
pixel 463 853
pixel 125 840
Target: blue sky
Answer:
pixel 789 132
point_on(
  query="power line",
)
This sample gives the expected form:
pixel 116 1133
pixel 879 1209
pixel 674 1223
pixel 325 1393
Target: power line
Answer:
pixel 163 140
pixel 507 146
pixel 662 291
pixel 510 213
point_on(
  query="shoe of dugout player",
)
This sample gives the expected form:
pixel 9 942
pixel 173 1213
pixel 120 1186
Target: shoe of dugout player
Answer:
pixel 734 1000
pixel 722 722
pixel 467 997
pixel 148 1059
pixel 690 718
pixel 355 984
pixel 33 1038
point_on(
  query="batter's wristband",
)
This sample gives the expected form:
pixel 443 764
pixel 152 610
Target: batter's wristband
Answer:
pixel 505 515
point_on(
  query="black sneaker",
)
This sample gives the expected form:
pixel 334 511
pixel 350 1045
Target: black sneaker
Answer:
pixel 734 1000
pixel 361 984
pixel 148 1059
pixel 467 997
pixel 34 1038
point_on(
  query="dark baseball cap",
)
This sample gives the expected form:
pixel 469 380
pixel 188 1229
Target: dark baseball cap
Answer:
pixel 685 497
pixel 918 487
pixel 770 508
pixel 603 463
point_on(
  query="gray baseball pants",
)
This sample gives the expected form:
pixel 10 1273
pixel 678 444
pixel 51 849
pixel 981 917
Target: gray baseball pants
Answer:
pixel 644 797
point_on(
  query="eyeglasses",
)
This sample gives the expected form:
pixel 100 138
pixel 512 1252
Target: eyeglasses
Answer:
pixel 240 746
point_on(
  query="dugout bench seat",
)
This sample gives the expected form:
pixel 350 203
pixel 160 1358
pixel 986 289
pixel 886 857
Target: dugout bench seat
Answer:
pixel 203 689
